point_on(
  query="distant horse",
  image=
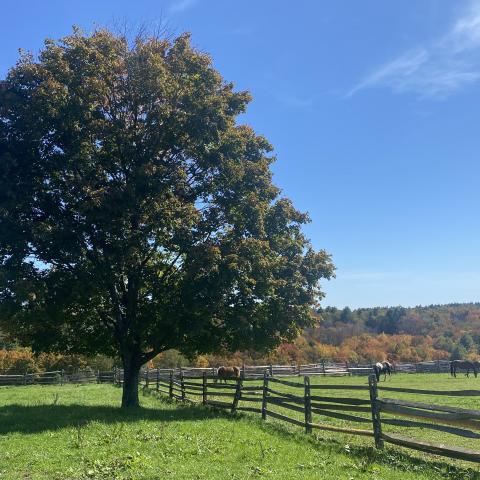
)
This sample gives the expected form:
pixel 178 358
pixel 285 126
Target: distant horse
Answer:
pixel 463 365
pixel 382 367
pixel 224 373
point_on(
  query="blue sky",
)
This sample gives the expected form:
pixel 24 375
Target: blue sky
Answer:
pixel 373 109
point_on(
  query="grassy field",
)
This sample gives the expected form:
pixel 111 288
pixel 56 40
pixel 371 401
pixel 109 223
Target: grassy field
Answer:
pixel 419 381
pixel 413 381
pixel 78 432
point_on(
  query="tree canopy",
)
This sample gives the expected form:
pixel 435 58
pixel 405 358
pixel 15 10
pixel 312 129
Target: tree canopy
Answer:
pixel 136 215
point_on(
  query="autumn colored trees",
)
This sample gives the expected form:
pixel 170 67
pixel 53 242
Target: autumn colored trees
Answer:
pixel 365 335
pixel 456 335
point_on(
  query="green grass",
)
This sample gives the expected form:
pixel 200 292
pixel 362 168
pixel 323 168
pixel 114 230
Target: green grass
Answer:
pixel 420 381
pixel 414 381
pixel 78 432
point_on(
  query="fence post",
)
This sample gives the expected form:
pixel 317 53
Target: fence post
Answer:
pixel 158 379
pixel 265 395
pixel 376 420
pixel 323 365
pixel 147 377
pixel 170 387
pixel 204 389
pixel 307 405
pixel 271 370
pixel 238 394
pixel 61 376
pixel 182 385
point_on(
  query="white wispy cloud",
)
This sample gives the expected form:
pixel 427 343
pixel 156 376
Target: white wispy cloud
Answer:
pixel 180 6
pixel 438 69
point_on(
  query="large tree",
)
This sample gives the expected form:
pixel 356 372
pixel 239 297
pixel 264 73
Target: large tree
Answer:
pixel 136 214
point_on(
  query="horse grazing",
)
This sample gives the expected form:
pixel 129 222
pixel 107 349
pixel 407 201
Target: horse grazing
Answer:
pixel 382 367
pixel 463 365
pixel 224 373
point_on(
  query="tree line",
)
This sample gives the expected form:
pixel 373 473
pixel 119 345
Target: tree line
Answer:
pixel 363 335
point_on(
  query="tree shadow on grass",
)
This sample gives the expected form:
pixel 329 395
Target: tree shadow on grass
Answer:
pixel 27 419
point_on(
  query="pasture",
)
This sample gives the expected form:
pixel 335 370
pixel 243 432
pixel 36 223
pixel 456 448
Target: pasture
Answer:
pixel 444 415
pixel 421 381
pixel 78 432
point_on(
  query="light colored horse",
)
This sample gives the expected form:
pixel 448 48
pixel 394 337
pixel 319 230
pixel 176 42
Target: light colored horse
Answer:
pixel 382 367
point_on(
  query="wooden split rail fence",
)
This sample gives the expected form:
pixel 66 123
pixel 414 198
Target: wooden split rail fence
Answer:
pixel 311 406
pixel 322 368
pixel 444 418
pixel 58 377
pixel 306 404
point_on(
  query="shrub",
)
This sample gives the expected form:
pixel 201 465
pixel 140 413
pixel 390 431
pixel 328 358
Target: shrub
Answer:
pixel 17 362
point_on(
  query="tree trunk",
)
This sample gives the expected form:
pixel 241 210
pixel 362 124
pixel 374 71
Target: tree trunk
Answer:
pixel 131 373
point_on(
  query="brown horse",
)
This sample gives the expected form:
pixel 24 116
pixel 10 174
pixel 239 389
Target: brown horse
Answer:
pixel 463 365
pixel 224 373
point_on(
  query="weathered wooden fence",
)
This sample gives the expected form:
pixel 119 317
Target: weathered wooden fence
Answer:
pixel 308 405
pixel 264 390
pixel 58 377
pixel 322 368
pixel 453 420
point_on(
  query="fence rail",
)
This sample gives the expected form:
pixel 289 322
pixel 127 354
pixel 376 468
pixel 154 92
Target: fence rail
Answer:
pixel 263 390
pixel 58 377
pixel 322 368
pixel 307 405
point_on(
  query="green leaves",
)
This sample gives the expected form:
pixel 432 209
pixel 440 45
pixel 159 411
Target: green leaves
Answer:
pixel 139 214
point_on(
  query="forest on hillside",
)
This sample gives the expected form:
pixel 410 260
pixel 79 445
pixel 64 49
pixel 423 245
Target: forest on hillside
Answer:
pixel 413 334
pixel 362 335
pixel 416 334
pixel 370 334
